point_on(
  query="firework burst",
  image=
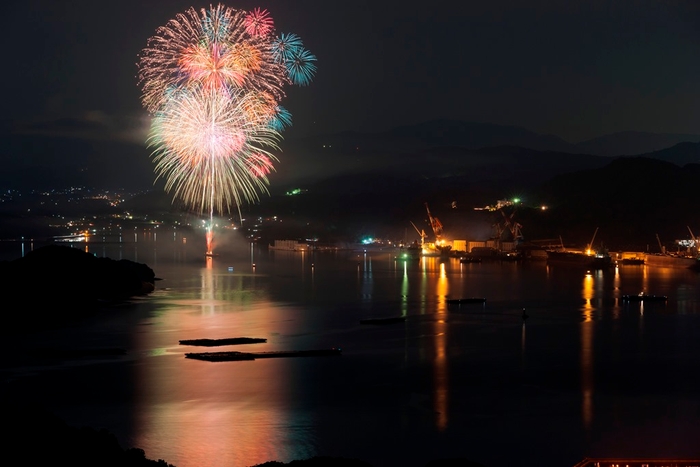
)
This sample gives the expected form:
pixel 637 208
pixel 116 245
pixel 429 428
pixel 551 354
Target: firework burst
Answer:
pixel 301 67
pixel 212 80
pixel 258 23
pixel 206 143
pixel 284 46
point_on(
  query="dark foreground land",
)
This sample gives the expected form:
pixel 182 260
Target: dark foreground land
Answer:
pixel 58 284
pixel 35 437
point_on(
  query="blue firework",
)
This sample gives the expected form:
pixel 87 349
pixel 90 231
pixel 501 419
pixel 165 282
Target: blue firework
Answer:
pixel 285 46
pixel 301 67
pixel 281 120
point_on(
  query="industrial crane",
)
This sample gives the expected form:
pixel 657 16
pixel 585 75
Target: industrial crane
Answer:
pixel 661 247
pixel 694 247
pixel 589 248
pixel 435 224
pixel 514 227
pixel 422 234
pixel 440 244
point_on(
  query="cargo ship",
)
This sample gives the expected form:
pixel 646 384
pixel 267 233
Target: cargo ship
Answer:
pixel 588 258
pixel 672 261
pixel 288 245
pixel 598 260
pixel 687 256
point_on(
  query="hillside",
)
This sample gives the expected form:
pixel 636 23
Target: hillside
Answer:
pixel 630 200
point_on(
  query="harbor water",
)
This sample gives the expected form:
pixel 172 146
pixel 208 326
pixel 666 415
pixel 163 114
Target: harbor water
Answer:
pixel 585 374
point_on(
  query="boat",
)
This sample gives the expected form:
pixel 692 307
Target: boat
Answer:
pixel 632 261
pixel 588 258
pixel 672 261
pixel 463 301
pixel 599 260
pixel 288 245
pixel 387 320
pixel 510 256
pixel 642 297
pixel 469 259
pixel 412 251
pixel 686 258
pixel 443 249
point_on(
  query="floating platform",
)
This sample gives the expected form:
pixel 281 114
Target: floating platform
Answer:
pixel 388 320
pixel 220 356
pixel 237 356
pixel 219 342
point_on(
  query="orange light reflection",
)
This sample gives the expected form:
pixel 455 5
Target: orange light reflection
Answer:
pixel 587 331
pixel 221 413
pixel 441 376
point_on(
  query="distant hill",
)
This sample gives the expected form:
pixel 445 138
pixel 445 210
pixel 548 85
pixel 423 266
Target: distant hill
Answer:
pixel 628 143
pixel 308 159
pixel 679 154
pixel 631 200
pixel 475 135
pixel 438 148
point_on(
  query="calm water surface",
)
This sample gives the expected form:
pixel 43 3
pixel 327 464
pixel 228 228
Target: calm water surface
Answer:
pixel 585 376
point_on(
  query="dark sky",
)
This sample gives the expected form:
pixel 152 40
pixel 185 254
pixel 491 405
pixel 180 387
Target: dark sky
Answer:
pixel 575 69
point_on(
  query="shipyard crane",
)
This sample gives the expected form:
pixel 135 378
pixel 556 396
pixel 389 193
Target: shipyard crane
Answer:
pixel 695 241
pixel 435 224
pixel 499 230
pixel 590 245
pixel 661 247
pixel 514 227
pixel 422 234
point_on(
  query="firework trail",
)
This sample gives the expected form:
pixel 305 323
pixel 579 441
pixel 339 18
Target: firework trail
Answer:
pixel 213 80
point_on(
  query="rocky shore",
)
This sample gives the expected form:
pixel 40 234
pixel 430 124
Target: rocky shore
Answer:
pixel 55 284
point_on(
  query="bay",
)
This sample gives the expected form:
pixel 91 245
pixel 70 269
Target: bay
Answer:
pixel 585 375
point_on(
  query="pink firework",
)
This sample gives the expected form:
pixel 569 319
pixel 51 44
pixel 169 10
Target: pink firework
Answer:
pixel 259 23
pixel 260 165
pixel 216 48
pixel 212 65
pixel 213 80
pixel 209 150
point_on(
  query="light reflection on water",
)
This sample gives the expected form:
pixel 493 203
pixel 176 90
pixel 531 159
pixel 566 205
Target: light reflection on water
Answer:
pixel 446 383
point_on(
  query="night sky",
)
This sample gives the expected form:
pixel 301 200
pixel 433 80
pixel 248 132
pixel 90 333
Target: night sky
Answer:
pixel 575 69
